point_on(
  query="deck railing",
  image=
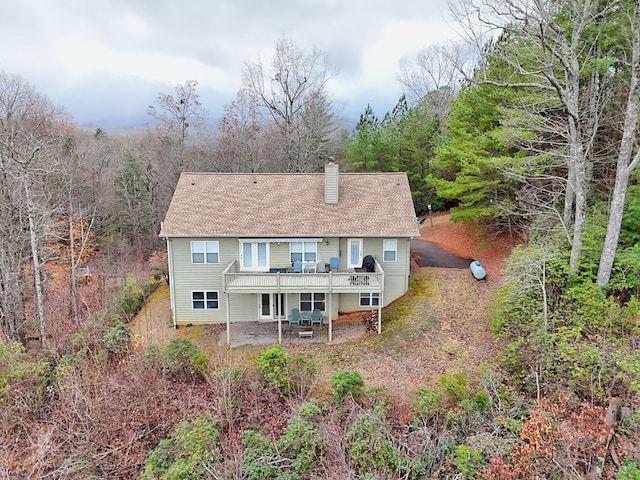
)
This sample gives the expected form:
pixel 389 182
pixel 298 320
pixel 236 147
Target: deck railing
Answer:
pixel 339 282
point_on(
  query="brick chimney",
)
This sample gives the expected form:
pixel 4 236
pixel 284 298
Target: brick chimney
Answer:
pixel 330 181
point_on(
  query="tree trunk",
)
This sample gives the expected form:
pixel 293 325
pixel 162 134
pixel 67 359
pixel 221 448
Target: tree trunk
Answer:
pixel 626 164
pixel 37 276
pixel 610 246
pixel 577 164
pixel 73 265
pixel 569 197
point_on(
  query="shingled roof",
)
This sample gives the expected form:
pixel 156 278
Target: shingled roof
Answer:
pixel 291 205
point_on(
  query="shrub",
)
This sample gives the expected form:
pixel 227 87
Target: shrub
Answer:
pixel 257 456
pixel 312 409
pixel 628 471
pixel 469 461
pixel 273 364
pixel 20 372
pixel 128 304
pixel 481 400
pixel 630 228
pixel 289 374
pixel 302 375
pixel 454 386
pixel 346 383
pixel 629 364
pixel 427 402
pixel 373 450
pixel 625 275
pixel 183 356
pixel 187 453
pixel 292 456
pixel 301 443
pixel 117 340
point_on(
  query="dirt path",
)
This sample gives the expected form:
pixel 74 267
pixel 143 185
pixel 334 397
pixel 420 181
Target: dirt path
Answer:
pixel 153 324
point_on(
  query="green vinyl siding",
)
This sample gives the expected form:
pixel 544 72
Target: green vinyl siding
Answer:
pixel 279 255
pixel 244 307
pixel 396 274
pixel 349 302
pixel 187 277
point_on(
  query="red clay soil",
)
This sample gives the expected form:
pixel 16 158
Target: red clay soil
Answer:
pixel 463 240
pixel 466 240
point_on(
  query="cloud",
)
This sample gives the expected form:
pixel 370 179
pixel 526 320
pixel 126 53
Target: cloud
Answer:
pixel 87 56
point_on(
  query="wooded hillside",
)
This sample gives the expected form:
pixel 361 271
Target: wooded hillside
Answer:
pixel 526 129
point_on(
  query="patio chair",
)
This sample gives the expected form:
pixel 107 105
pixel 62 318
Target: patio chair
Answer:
pixel 297 266
pixel 294 317
pixel 305 317
pixel 316 317
pixel 333 263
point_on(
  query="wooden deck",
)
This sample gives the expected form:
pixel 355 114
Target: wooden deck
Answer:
pixel 338 282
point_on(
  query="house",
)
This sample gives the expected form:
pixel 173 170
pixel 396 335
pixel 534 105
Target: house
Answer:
pixel 247 247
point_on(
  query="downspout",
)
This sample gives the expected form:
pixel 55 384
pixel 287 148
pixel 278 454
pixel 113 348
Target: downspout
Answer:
pixel 407 263
pixel 381 302
pixel 330 293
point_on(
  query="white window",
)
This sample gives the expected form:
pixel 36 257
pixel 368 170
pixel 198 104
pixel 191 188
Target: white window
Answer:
pixel 205 252
pixel 369 299
pixel 304 252
pixel 310 301
pixel 204 300
pixel 255 256
pixel 390 250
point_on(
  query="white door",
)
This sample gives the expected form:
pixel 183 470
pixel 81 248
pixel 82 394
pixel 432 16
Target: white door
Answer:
pixel 354 252
pixel 272 306
pixel 254 257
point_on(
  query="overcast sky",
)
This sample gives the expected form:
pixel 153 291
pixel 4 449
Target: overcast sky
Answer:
pixel 105 61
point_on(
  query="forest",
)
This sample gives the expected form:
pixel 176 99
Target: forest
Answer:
pixel 527 127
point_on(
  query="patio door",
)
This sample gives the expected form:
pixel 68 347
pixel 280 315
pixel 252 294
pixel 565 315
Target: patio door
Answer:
pixel 254 257
pixel 354 252
pixel 272 306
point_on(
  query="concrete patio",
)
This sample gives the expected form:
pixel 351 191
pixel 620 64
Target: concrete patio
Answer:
pixel 266 333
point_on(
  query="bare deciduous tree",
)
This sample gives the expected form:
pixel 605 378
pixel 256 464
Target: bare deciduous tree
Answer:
pixel 435 76
pixel 167 150
pixel 33 134
pixel 293 94
pixel 241 135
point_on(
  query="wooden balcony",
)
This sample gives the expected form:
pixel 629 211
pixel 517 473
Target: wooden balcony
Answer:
pixel 333 282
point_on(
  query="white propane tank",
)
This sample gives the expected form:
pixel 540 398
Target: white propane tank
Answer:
pixel 477 270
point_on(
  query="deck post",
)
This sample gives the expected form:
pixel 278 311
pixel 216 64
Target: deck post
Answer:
pixel 278 309
pixel 330 317
pixel 228 322
pixel 380 312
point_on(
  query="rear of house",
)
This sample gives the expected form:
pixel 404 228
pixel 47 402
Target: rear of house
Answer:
pixel 251 247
